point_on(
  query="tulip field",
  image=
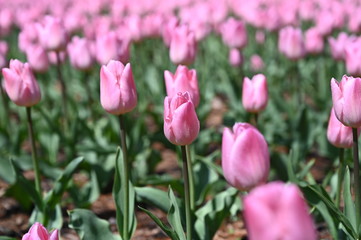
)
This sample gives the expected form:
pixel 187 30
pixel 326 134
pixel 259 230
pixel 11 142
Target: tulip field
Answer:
pixel 180 119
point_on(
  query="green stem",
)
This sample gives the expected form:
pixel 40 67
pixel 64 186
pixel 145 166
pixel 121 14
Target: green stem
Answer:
pixel 190 178
pixel 63 90
pixel 187 194
pixel 356 176
pixel 126 177
pixel 255 118
pixel 341 172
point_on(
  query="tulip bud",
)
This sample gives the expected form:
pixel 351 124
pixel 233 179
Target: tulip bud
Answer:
pixel 255 93
pixel 118 94
pixel 313 41
pixel 338 134
pixel 80 53
pixel 39 232
pixel 245 156
pixel 337 46
pixel 290 43
pixel 182 46
pixel 346 98
pixel 234 33
pixel 353 57
pixel 20 84
pixel 277 211
pixel 235 57
pixel 256 63
pixel 181 124
pixel 184 80
pixel 37 58
pixel 52 34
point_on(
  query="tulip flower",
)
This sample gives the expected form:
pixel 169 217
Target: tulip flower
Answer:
pixel 3 51
pixel 291 43
pixel 20 84
pixel 255 93
pixel 277 211
pixel 245 156
pixel 234 33
pixel 313 41
pixel 338 134
pixel 183 80
pixel 353 57
pixel 37 58
pixel 235 57
pixel 346 98
pixel 39 232
pixel 181 124
pixel 118 94
pixel 80 54
pixel 256 63
pixel 337 46
pixel 182 46
pixel 52 34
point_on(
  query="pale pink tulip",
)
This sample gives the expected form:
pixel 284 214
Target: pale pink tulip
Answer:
pixel 313 41
pixel 255 93
pixel 256 63
pixel 337 46
pixel 52 34
pixel 80 55
pixel 183 46
pixel 235 57
pixel 291 43
pixel 37 58
pixel 3 51
pixel 234 33
pixel 338 134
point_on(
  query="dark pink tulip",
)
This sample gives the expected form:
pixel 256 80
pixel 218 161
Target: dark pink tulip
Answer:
pixel 80 54
pixel 245 156
pixel 346 99
pixel 181 124
pixel 277 211
pixel 37 58
pixel 256 63
pixel 255 93
pixel 118 94
pixel 290 43
pixel 313 41
pixel 183 80
pixel 20 84
pixel 338 134
pixel 39 232
pixel 183 46
pixel 235 57
pixel 337 46
pixel 52 34
pixel 3 51
pixel 234 33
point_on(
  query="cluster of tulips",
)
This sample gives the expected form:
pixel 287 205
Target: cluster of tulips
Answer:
pixel 104 31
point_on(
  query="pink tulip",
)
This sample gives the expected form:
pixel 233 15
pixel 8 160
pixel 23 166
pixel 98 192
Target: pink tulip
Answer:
pixel 167 31
pixel 234 33
pixel 109 47
pixel 255 93
pixel 260 37
pixel 57 57
pixel 291 43
pixel 6 20
pixel 235 57
pixel 353 57
pixel 80 55
pixel 52 34
pixel 3 51
pixel 39 232
pixel 20 84
pixel 277 211
pixel 346 98
pixel 181 124
pixel 28 36
pixel 182 46
pixel 338 134
pixel 337 46
pixel 313 41
pixel 183 80
pixel 118 94
pixel 37 58
pixel 245 156
pixel 256 63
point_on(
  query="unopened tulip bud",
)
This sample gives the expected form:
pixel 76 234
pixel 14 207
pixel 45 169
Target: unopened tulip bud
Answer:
pixel 346 98
pixel 20 84
pixel 183 80
pixel 281 206
pixel 37 58
pixel 256 63
pixel 245 156
pixel 255 93
pixel 52 34
pixel 291 43
pixel 313 41
pixel 183 46
pixel 118 94
pixel 235 57
pixel 39 232
pixel 181 124
pixel 80 54
pixel 234 33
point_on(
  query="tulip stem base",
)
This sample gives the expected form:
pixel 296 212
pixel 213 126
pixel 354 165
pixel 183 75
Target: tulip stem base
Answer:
pixel 187 196
pixel 190 177
pixel 126 177
pixel 340 175
pixel 356 176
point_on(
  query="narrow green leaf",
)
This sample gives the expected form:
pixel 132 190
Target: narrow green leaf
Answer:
pixel 153 196
pixel 349 209
pixel 174 217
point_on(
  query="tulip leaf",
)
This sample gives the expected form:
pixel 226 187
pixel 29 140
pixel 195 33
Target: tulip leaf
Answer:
pixel 119 196
pixel 89 227
pixel 154 197
pixel 212 214
pixel 7 238
pixel 7 172
pixel 349 209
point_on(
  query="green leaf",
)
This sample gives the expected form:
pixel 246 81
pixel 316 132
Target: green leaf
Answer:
pixel 154 197
pixel 212 214
pixel 174 217
pixel 349 209
pixel 119 196
pixel 89 227
pixel 7 172
pixel 7 238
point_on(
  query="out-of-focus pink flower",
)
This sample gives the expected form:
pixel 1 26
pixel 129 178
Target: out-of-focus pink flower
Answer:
pixel 118 94
pixel 170 24
pixel 337 46
pixel 281 206
pixel 255 93
pixel 234 33
pixel 346 99
pixel 28 36
pixel 80 54
pixel 52 34
pixel 324 22
pixel 3 51
pixel 134 25
pixel 39 232
pixel 152 25
pixel 56 57
pixel 338 134
pixel 235 57
pixel 181 124
pixel 6 21
pixel 313 41
pixel 245 156
pixel 353 57
pixel 291 43
pixel 37 58
pixel 20 84
pixel 183 46
pixel 183 80
pixel 260 37
pixel 256 63
pixel 110 47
